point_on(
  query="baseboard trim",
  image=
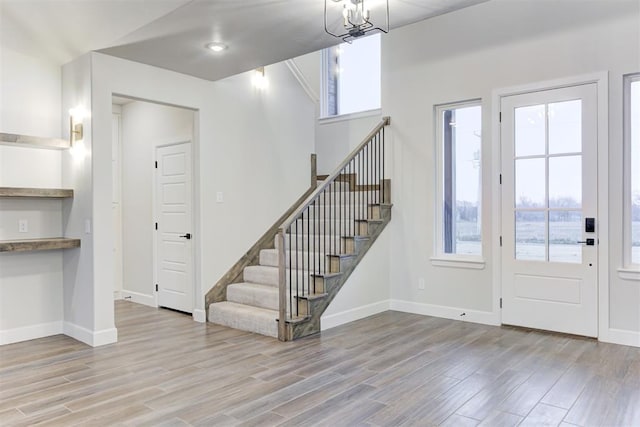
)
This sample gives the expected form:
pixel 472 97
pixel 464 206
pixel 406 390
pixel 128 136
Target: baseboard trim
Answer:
pixel 622 337
pixel 199 316
pixel 138 298
pixel 337 319
pixel 454 313
pixel 92 338
pixel 117 295
pixel 32 332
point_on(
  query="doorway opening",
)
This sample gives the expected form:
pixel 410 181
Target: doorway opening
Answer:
pixel 152 203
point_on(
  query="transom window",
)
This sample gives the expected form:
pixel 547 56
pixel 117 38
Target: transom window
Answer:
pixel 351 82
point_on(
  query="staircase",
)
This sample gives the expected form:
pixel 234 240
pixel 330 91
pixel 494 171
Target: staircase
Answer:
pixel 284 283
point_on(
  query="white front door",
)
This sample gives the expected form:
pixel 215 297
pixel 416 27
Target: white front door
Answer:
pixel 174 222
pixel 549 206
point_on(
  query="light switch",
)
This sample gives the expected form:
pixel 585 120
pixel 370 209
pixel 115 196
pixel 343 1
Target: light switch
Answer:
pixel 23 226
pixel 87 226
pixel 219 197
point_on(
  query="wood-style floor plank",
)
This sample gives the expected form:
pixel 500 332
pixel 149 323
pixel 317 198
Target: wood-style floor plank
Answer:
pixel 389 369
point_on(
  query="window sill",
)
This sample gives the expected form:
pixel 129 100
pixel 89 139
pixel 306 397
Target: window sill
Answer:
pixel 629 274
pixel 473 263
pixel 350 116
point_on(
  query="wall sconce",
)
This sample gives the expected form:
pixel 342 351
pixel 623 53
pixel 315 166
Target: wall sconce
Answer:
pixel 76 132
pixel 259 80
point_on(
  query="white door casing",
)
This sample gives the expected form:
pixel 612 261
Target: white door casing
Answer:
pixel 116 206
pixel 549 146
pixel 174 215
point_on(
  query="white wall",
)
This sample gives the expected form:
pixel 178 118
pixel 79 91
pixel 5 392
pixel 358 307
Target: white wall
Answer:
pixel 87 316
pixel 337 137
pixel 30 283
pixel 29 94
pixel 468 54
pixel 145 126
pixel 367 291
pixel 253 146
pixel 310 66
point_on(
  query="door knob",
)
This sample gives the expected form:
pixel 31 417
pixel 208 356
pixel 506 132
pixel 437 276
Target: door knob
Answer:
pixel 187 236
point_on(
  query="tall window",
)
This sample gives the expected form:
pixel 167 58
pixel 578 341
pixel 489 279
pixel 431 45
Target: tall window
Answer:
pixel 352 77
pixel 632 167
pixel 459 137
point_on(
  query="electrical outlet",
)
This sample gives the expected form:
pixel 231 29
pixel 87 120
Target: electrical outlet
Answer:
pixel 421 284
pixel 23 226
pixel 219 197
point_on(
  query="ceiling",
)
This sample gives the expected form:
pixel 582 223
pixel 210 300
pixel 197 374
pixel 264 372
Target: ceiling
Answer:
pixel 172 34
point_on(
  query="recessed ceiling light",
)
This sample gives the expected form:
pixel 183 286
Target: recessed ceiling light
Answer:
pixel 216 46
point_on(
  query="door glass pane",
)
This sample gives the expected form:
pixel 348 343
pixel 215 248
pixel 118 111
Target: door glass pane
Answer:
pixel 565 127
pixel 530 236
pixel 530 183
pixel 565 182
pixel 565 230
pixel 530 130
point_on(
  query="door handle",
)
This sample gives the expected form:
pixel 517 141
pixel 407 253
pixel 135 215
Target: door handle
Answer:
pixel 187 236
pixel 588 242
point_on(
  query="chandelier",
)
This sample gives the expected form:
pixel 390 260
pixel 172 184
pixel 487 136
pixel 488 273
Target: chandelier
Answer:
pixel 349 19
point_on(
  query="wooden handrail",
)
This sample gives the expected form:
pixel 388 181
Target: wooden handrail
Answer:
pixel 386 121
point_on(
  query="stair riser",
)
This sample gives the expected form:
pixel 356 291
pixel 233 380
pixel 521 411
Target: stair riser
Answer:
pixel 257 324
pixel 253 297
pixel 321 227
pixel 250 296
pixel 337 186
pixel 319 243
pixel 269 276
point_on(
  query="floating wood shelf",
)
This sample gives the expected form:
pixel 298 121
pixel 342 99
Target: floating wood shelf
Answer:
pixel 47 193
pixel 38 244
pixel 33 141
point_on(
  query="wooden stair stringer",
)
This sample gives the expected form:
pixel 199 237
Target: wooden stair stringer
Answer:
pixel 318 304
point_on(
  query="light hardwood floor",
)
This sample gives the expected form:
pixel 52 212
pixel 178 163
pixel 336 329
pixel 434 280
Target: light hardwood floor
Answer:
pixel 389 369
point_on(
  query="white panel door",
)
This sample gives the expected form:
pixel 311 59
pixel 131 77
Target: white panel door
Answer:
pixel 549 199
pixel 174 218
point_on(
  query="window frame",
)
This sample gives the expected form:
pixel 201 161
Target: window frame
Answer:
pixel 441 258
pixel 628 80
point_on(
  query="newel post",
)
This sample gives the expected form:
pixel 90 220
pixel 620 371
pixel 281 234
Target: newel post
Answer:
pixel 314 171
